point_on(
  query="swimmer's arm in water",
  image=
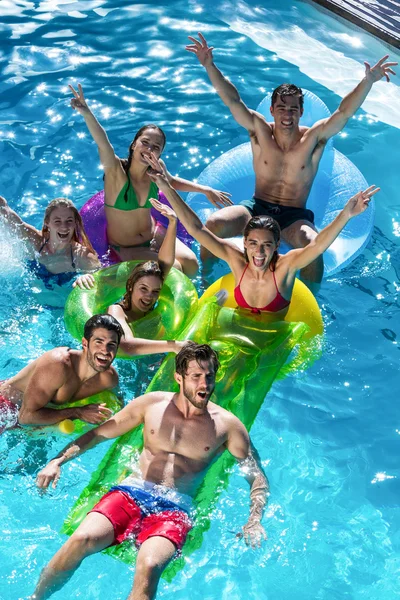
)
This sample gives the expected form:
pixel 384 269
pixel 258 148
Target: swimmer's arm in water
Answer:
pixel 216 197
pixel 166 253
pixel 220 248
pixel 26 232
pixel 108 158
pixel 125 420
pixel 85 260
pixel 49 376
pixel 139 346
pixel 224 88
pixel 301 257
pixel 352 102
pixel 240 446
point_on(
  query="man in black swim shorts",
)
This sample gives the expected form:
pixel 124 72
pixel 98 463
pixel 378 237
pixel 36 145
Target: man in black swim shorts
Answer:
pixel 285 155
pixel 284 215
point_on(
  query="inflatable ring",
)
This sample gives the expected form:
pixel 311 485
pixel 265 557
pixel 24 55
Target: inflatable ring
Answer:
pixel 177 300
pixel 111 398
pixel 303 306
pixel 94 220
pixel 337 180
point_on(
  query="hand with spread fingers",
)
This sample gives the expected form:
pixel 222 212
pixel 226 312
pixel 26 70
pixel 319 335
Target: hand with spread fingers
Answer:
pixel 78 102
pixel 253 533
pixel 84 282
pixel 381 69
pixel 218 198
pixel 164 209
pixel 201 50
pixel 359 203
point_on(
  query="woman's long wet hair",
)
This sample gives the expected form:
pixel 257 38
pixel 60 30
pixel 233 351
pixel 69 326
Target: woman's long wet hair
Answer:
pixel 267 224
pixel 146 269
pixel 80 235
pixel 126 162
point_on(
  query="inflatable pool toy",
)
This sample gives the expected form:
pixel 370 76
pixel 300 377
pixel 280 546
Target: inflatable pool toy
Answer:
pixel 177 300
pixel 94 219
pixel 336 181
pixel 303 306
pixel 252 354
pixel 110 398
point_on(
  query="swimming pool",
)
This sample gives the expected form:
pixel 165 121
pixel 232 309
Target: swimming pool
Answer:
pixel 329 439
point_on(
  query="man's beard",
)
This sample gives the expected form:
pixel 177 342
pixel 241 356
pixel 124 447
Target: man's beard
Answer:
pixel 97 367
pixel 191 397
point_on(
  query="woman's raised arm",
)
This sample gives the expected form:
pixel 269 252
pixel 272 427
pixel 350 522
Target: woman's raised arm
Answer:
pixel 108 157
pixel 26 232
pixel 301 257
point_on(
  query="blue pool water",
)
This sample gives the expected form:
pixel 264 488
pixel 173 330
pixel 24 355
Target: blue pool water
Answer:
pixel 329 438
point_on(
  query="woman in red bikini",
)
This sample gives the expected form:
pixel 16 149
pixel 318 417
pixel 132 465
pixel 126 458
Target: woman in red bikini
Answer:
pixel 264 279
pixel 131 230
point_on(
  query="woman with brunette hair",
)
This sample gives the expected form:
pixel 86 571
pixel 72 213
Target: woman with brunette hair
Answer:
pixel 62 247
pixel 264 279
pixel 132 232
pixel 143 288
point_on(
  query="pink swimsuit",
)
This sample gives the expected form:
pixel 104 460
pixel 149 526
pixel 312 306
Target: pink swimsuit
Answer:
pixel 277 304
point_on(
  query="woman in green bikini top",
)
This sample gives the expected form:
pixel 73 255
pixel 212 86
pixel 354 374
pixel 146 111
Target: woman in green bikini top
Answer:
pixel 131 230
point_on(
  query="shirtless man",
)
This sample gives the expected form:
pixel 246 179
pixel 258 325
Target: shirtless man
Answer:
pixel 63 375
pixel 285 155
pixel 184 433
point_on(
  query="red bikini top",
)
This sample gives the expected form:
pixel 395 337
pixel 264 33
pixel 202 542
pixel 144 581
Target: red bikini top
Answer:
pixel 277 304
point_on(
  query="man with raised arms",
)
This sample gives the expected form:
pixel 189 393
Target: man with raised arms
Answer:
pixel 184 433
pixel 64 375
pixel 285 155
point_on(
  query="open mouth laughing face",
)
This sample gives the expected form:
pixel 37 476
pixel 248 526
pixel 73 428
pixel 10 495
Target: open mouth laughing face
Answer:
pixel 102 349
pixel 61 225
pixel 260 246
pixel 151 140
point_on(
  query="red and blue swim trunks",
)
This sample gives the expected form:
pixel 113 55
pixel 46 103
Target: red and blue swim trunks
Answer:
pixel 141 513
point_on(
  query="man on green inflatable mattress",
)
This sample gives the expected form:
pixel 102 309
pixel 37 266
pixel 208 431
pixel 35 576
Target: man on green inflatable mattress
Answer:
pixel 184 433
pixel 37 394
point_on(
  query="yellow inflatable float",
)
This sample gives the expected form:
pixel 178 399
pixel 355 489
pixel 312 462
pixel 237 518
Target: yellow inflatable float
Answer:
pixel 303 306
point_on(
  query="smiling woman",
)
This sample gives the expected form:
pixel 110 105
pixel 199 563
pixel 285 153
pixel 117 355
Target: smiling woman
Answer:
pixel 61 247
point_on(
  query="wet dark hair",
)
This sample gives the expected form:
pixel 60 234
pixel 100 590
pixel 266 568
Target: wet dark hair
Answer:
pixel 287 89
pixel 126 162
pixel 267 224
pixel 197 352
pixel 80 235
pixel 150 267
pixel 104 321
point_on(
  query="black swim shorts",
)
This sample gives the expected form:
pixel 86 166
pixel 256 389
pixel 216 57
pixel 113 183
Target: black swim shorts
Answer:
pixel 284 215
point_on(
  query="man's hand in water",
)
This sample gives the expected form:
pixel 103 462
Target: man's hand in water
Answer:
pixel 93 413
pixel 201 50
pixel 381 69
pixel 78 102
pixel 359 203
pixel 50 473
pixel 253 533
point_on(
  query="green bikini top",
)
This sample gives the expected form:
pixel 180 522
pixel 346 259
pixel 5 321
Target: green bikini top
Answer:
pixel 127 199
